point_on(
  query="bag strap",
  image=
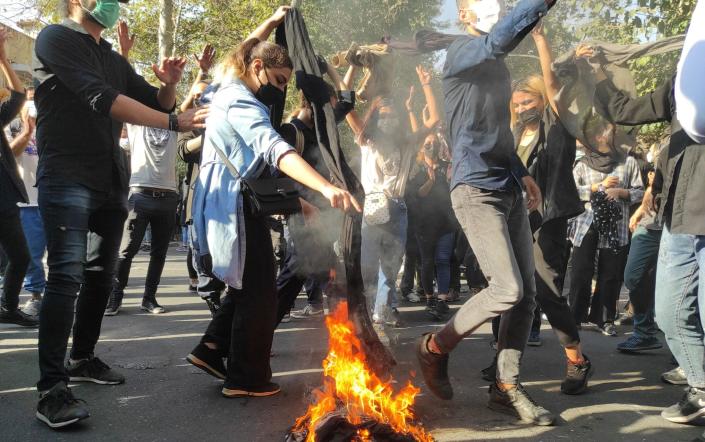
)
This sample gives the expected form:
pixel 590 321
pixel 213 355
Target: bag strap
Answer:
pixel 228 164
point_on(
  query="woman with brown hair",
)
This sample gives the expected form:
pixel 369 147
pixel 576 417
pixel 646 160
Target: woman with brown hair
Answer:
pixel 251 78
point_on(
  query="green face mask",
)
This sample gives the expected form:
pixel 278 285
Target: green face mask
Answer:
pixel 106 12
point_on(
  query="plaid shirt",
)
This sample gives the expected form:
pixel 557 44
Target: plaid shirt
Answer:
pixel 629 178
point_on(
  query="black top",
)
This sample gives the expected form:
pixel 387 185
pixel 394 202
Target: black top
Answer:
pixel 76 85
pixel 433 214
pixel 679 183
pixel 12 189
pixel 551 165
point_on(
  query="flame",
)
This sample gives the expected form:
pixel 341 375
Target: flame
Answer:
pixel 349 381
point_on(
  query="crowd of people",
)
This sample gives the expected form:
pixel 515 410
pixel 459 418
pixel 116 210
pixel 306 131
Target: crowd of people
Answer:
pixel 545 222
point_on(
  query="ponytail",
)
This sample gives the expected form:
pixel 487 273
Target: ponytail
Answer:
pixel 239 59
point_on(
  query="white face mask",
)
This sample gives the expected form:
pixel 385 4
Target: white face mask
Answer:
pixel 487 12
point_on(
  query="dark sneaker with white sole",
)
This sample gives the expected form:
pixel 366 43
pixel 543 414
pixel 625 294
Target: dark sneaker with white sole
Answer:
pixel 689 408
pixel 233 391
pixel 434 368
pixel 207 360
pixel 58 408
pixel 517 402
pixel 151 306
pixel 114 304
pixel 93 370
pixel 577 376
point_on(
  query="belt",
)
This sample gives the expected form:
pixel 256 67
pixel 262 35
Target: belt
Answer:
pixel 153 192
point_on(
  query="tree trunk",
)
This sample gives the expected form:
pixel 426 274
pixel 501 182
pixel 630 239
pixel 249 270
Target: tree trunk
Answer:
pixel 166 29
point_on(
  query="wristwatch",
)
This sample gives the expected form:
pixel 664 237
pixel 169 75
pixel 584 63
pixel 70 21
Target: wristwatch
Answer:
pixel 173 122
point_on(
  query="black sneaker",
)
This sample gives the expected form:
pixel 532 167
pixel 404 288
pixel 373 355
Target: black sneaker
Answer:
pixel 233 391
pixel 192 288
pixel 151 306
pixel 207 360
pixel 442 307
pixel 114 304
pixel 490 373
pixel 534 339
pixel 18 317
pixel 517 402
pixel 434 368
pixel 635 344
pixel 689 408
pixel 213 303
pixel 675 377
pixel 431 309
pixel 58 408
pixel 576 378
pixel 93 370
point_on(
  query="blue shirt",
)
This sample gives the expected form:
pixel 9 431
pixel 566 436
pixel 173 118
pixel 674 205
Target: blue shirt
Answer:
pixel 238 125
pixel 477 93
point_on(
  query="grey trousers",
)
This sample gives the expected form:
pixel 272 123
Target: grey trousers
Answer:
pixel 497 227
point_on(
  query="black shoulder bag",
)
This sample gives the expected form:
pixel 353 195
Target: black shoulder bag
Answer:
pixel 266 196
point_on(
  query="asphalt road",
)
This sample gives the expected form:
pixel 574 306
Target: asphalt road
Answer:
pixel 166 399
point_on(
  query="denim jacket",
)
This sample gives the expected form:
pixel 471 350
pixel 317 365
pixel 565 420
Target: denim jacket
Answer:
pixel 238 125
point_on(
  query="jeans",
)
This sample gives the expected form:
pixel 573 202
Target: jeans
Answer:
pixel 497 226
pixel 640 279
pixel 159 213
pixel 35 279
pixel 209 286
pixel 436 250
pixel 610 274
pixel 13 242
pixel 83 229
pixel 680 297
pixel 243 326
pixel 382 251
pixel 551 257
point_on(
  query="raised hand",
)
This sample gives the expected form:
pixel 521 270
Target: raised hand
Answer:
pixel 170 70
pixel 125 40
pixel 538 30
pixel 584 51
pixel 424 75
pixel 207 58
pixel 4 35
pixel 410 101
pixel 278 17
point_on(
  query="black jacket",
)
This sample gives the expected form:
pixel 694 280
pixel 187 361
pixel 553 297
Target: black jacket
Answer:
pixel 10 176
pixel 680 182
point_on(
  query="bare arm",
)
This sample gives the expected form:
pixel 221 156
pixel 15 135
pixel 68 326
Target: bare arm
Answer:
pixel 11 77
pixel 353 119
pixel 410 110
pixel 433 114
pixel 546 59
pixel 18 144
pixel 265 29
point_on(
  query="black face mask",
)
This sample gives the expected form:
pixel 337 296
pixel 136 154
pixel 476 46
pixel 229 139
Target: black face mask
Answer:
pixel 529 116
pixel 268 94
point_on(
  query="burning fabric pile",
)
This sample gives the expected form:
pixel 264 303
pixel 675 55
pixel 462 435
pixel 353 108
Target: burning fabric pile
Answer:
pixel 354 403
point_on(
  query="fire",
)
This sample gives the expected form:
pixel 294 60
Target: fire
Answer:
pixel 348 381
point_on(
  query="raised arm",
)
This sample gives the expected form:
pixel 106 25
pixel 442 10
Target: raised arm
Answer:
pixel 354 121
pixel 265 29
pixel 205 62
pixel 433 114
pixel 550 79
pixel 18 144
pixel 9 108
pixel 409 104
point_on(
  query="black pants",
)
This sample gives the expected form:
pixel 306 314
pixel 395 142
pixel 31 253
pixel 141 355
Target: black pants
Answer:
pixel 145 210
pixel 83 228
pixel 13 242
pixel 610 275
pixel 192 273
pixel 243 326
pixel 411 274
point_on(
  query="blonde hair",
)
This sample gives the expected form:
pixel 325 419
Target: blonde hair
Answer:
pixel 533 85
pixel 239 59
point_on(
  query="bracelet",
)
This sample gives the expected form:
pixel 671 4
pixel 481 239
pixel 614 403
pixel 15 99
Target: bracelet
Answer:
pixel 173 123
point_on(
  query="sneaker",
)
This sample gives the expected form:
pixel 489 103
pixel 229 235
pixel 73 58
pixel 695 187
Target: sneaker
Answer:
pixel 285 320
pixel 494 345
pixel 413 297
pixel 636 344
pixel 207 360
pixel 268 389
pixel 609 329
pixel 432 309
pixel 689 408
pixel 393 318
pixel 675 377
pixel 58 408
pixel 517 402
pixel 193 288
pixel 534 339
pixel 151 306
pixel 434 368
pixel 31 307
pixel 18 317
pixel 114 304
pixel 576 378
pixel 442 307
pixel 625 319
pixel 93 370
pixel 453 295
pixel 213 303
pixel 307 312
pixel 182 248
pixel 490 373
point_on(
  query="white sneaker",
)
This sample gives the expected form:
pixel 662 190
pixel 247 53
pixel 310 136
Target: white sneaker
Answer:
pixel 307 312
pixel 31 307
